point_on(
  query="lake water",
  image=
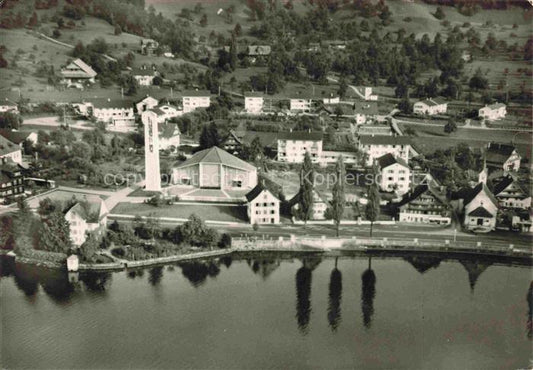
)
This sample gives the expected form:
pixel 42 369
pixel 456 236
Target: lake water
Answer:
pixel 410 313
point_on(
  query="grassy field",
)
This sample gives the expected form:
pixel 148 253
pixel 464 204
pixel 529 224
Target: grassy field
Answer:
pixel 205 212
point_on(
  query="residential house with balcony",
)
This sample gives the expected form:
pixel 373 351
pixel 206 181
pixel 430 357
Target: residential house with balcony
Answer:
pixel 395 174
pixel 232 143
pixel 292 146
pixel 502 157
pixel 116 113
pixel 425 204
pixel 378 145
pixel 77 73
pixel 11 182
pixel 145 75
pixel 301 104
pixel 194 99
pixel 510 193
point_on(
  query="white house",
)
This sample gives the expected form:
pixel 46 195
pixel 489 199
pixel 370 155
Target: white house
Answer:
pixel 365 112
pixel 77 72
pixel 262 206
pixel 425 204
pixel 86 216
pixel 378 145
pixel 332 99
pixel 169 135
pixel 395 174
pixel 253 102
pixel 9 150
pixel 117 113
pixel 196 99
pixel 144 75
pixel 19 137
pixel 430 107
pixel 169 110
pixel 503 157
pixel 511 194
pixel 146 103
pixel 493 112
pixel 480 209
pixel 368 94
pixel 293 145
pixel 320 204
pixel 303 104
pixel 7 105
pixel 330 157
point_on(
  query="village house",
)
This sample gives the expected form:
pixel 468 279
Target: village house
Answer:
pixel 145 104
pixel 502 157
pixel 263 206
pixel 149 47
pixel 253 102
pixel 117 113
pixel 493 112
pixel 19 137
pixel 215 168
pixel 332 99
pixel 330 157
pixel 11 181
pixel 194 99
pixel 378 145
pixel 86 216
pixel 9 150
pixel 480 209
pixel 144 75
pixel 365 112
pixel 395 174
pixel 169 110
pixel 232 143
pixel 77 73
pixel 425 204
pixel 7 105
pixel 368 96
pixel 258 53
pixel 511 194
pixel 302 104
pixel 169 136
pixel 292 146
pixel 320 204
pixel 430 107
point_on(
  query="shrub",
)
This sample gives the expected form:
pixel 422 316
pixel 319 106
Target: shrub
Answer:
pixel 225 241
pixel 118 252
pixel 407 19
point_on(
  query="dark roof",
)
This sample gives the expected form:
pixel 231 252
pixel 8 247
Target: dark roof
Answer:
pixel 168 130
pixel 233 135
pixel 84 70
pixel 301 135
pixel 258 190
pixel 158 111
pixel 16 137
pixel 259 50
pixel 188 93
pixel 481 212
pixel 388 159
pixel 145 97
pixel 316 196
pixel 418 191
pixel 499 153
pixel 253 94
pixel 267 139
pixel 496 106
pixel 503 184
pixel 384 140
pixel 91 213
pixel 476 190
pixel 217 155
pixel 100 103
pixel 7 146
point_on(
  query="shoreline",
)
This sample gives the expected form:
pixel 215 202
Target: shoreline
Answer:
pixel 324 247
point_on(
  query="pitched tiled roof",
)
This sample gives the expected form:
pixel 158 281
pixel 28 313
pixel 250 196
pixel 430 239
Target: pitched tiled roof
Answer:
pixel 498 153
pixel 85 70
pixel 217 155
pixel 503 184
pixel 168 130
pixel 481 212
pixel 90 214
pixel 496 106
pixel 301 135
pixel 198 93
pixel 388 159
pixel 267 139
pixel 254 193
pixel 7 147
pixel 418 191
pixel 478 189
pixel 384 140
pixel 16 137
pixel 101 103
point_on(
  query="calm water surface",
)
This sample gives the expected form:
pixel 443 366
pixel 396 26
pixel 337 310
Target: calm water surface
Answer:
pixel 412 313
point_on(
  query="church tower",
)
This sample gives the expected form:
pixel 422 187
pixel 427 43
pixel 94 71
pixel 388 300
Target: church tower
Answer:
pixel 151 151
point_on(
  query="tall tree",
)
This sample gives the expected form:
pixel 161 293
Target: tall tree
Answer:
pixel 307 183
pixel 335 296
pixel 55 233
pixel 372 206
pixel 233 52
pixel 368 292
pixel 335 209
pixel 209 136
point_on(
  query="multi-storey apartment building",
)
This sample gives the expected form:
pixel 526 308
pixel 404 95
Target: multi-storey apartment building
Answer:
pixel 196 99
pixel 292 146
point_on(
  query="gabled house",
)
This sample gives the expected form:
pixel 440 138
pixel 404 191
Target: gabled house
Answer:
pixel 77 73
pixel 395 174
pixel 144 75
pixel 367 92
pixel 232 143
pixel 301 104
pixel 194 99
pixel 292 146
pixel 9 151
pixel 502 157
pixel 493 112
pixel 149 47
pixel 7 105
pixel 320 204
pixel 425 204
pixel 169 135
pixel 256 53
pixel 145 104
pixel 378 145
pixel 263 206
pixel 86 216
pixel 511 194
pixel 253 102
pixel 430 107
pixel 480 209
pixel 19 137
pixel 11 182
pixel 117 113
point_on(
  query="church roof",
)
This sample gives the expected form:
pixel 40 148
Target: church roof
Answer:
pixel 478 189
pixel 215 155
